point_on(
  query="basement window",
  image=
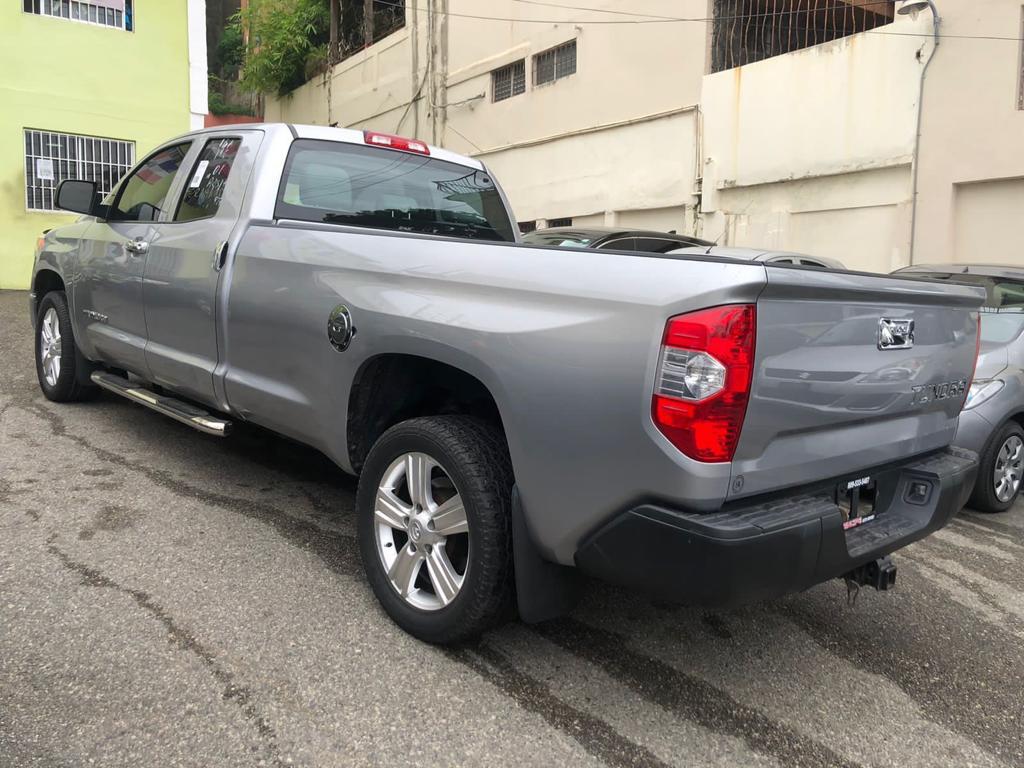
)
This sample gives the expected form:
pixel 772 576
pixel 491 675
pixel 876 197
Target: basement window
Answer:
pixel 566 222
pixel 746 31
pixel 525 227
pixel 555 63
pixel 107 13
pixel 508 81
pixel 52 157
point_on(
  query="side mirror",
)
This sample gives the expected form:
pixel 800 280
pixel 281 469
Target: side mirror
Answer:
pixel 77 196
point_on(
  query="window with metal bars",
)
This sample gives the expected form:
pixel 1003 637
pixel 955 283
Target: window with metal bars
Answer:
pixel 358 29
pixel 566 222
pixel 108 13
pixel 554 63
pixel 745 31
pixel 527 226
pixel 508 81
pixel 52 157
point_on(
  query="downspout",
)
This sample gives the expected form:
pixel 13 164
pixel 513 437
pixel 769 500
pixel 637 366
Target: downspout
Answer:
pixel 937 21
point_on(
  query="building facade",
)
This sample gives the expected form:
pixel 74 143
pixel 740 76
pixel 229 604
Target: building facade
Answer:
pixel 581 120
pixel 815 149
pixel 87 87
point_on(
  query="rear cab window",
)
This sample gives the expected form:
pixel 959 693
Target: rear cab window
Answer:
pixel 362 186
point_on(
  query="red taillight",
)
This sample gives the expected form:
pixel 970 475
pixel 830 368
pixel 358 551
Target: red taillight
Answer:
pixel 703 385
pixel 395 142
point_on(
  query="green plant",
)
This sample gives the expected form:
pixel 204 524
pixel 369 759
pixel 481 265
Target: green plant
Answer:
pixel 283 36
pixel 231 49
pixel 220 105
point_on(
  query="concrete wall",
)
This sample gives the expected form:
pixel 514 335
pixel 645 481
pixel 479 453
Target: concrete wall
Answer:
pixel 74 77
pixel 616 141
pixel 812 151
pixel 972 142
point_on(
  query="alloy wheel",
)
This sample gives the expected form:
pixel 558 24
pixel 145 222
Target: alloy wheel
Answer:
pixel 422 531
pixel 50 346
pixel 1009 465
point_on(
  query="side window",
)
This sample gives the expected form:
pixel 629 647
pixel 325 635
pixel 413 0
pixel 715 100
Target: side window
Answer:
pixel 657 245
pixel 206 186
pixel 143 194
pixel 620 244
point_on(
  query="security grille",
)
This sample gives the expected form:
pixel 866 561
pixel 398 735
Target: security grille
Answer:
pixel 567 222
pixel 554 63
pixel 508 81
pixel 112 13
pixel 526 227
pixel 52 157
pixel 746 31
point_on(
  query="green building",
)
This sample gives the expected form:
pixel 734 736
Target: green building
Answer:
pixel 85 89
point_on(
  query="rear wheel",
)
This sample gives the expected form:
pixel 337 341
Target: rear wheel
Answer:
pixel 57 357
pixel 1000 471
pixel 433 509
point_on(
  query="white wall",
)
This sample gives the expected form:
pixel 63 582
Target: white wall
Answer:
pixel 972 141
pixel 811 151
pixel 616 141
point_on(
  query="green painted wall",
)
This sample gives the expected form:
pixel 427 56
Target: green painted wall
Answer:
pixel 73 77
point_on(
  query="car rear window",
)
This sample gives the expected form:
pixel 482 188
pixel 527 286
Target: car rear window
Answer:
pixel 339 183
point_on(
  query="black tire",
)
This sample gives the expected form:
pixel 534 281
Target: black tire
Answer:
pixel 475 456
pixel 72 382
pixel 984 497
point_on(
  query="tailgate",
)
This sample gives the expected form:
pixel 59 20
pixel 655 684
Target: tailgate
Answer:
pixel 838 388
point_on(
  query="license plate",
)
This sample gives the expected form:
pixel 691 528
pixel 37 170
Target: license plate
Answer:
pixel 856 501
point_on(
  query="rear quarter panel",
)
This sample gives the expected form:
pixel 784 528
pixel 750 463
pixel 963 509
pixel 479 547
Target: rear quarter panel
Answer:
pixel 566 341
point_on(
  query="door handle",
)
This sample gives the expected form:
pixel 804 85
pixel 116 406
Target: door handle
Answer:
pixel 136 247
pixel 220 254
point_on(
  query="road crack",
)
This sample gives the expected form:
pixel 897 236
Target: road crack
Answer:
pixel 240 695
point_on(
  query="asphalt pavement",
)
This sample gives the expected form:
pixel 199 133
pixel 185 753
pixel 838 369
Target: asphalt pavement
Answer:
pixel 172 599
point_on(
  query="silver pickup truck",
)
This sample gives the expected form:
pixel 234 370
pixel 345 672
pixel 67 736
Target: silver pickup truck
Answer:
pixel 707 430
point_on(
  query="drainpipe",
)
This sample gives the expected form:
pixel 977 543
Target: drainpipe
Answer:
pixel 936 22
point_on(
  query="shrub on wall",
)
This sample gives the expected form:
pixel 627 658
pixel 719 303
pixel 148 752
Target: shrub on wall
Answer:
pixel 285 38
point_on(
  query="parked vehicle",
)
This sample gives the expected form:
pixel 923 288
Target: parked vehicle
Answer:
pixel 517 415
pixel 764 257
pixel 992 423
pixel 617 238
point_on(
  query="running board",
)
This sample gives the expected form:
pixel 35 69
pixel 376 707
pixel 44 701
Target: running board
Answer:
pixel 186 413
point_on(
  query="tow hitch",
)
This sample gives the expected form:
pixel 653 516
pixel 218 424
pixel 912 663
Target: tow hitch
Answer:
pixel 880 574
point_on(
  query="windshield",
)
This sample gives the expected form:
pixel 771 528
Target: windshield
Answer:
pixel 1001 327
pixel 1002 315
pixel 341 183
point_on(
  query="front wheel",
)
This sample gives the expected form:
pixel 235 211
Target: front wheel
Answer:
pixel 434 517
pixel 57 358
pixel 999 475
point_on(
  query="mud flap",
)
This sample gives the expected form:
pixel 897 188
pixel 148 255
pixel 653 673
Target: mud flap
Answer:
pixel 544 590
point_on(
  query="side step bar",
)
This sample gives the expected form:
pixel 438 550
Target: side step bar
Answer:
pixel 186 413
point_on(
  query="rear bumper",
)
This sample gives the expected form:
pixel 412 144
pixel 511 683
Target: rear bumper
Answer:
pixel 761 550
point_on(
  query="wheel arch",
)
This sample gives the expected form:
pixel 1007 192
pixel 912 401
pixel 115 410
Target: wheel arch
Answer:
pixel 394 386
pixel 46 281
